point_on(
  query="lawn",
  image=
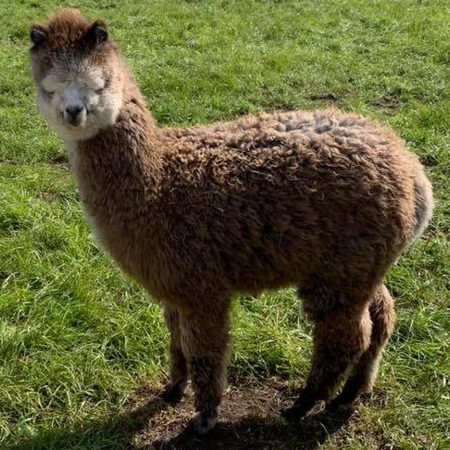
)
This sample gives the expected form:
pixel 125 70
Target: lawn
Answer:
pixel 82 347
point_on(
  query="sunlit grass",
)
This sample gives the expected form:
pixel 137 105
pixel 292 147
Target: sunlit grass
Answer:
pixel 76 336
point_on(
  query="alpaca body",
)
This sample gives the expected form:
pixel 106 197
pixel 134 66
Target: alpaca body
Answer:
pixel 323 201
pixel 286 203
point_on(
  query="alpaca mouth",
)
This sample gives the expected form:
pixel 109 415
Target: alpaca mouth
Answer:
pixel 74 123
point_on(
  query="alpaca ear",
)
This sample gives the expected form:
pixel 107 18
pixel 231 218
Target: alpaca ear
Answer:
pixel 97 33
pixel 38 34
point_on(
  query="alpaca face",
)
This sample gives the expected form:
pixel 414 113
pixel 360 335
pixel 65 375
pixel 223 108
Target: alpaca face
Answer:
pixel 77 99
pixel 76 71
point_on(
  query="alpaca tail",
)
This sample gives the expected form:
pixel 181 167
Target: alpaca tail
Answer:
pixel 423 203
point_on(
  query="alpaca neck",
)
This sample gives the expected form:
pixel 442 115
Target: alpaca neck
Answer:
pixel 120 166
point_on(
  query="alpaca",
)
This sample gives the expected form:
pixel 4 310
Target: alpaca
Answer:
pixel 324 201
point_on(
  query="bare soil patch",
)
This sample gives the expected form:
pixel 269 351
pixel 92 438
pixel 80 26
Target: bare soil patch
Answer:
pixel 249 419
pixel 329 97
pixel 387 102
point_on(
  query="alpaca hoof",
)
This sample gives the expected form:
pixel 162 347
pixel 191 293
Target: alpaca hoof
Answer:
pixel 172 393
pixel 348 396
pixel 204 423
pixel 293 413
pixel 302 407
pixel 343 400
pixel 338 404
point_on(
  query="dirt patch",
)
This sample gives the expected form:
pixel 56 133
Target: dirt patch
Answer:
pixel 328 97
pixel 429 160
pixel 387 102
pixel 249 419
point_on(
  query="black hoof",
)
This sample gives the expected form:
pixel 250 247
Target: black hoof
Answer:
pixel 346 399
pixel 172 394
pixel 293 413
pixel 337 404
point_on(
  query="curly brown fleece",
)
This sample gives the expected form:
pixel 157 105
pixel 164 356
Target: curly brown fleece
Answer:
pixel 323 201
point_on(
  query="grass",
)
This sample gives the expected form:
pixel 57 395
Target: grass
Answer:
pixel 77 338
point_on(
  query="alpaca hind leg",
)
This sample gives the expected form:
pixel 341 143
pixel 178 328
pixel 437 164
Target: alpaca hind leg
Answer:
pixel 174 391
pixel 205 338
pixel 363 374
pixel 339 340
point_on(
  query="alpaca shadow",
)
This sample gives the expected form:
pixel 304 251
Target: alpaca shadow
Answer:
pixel 260 433
pixel 249 433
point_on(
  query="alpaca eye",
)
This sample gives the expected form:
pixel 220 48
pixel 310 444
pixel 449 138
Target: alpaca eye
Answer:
pixel 100 91
pixel 48 94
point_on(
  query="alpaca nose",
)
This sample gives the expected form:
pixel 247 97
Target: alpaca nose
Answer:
pixel 73 114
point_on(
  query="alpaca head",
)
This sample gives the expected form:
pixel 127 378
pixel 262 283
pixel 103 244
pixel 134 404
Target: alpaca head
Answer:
pixel 77 71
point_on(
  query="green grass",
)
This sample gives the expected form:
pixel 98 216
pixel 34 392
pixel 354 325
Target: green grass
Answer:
pixel 77 337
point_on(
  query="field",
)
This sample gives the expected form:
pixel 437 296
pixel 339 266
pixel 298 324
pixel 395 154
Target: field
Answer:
pixel 83 350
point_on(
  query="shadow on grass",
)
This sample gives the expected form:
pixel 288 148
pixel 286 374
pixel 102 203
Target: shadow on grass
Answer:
pixel 133 431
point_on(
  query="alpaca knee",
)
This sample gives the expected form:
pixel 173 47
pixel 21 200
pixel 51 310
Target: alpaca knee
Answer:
pixel 343 337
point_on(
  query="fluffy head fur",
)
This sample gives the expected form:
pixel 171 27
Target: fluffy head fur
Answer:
pixel 77 92
pixel 323 201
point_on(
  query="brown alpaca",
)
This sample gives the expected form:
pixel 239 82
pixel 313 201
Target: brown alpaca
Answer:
pixel 324 201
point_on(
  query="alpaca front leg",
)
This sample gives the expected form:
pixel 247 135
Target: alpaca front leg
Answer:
pixel 205 339
pixel 174 391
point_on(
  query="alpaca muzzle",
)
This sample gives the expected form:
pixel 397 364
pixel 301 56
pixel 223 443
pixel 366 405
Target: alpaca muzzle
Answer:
pixel 75 115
